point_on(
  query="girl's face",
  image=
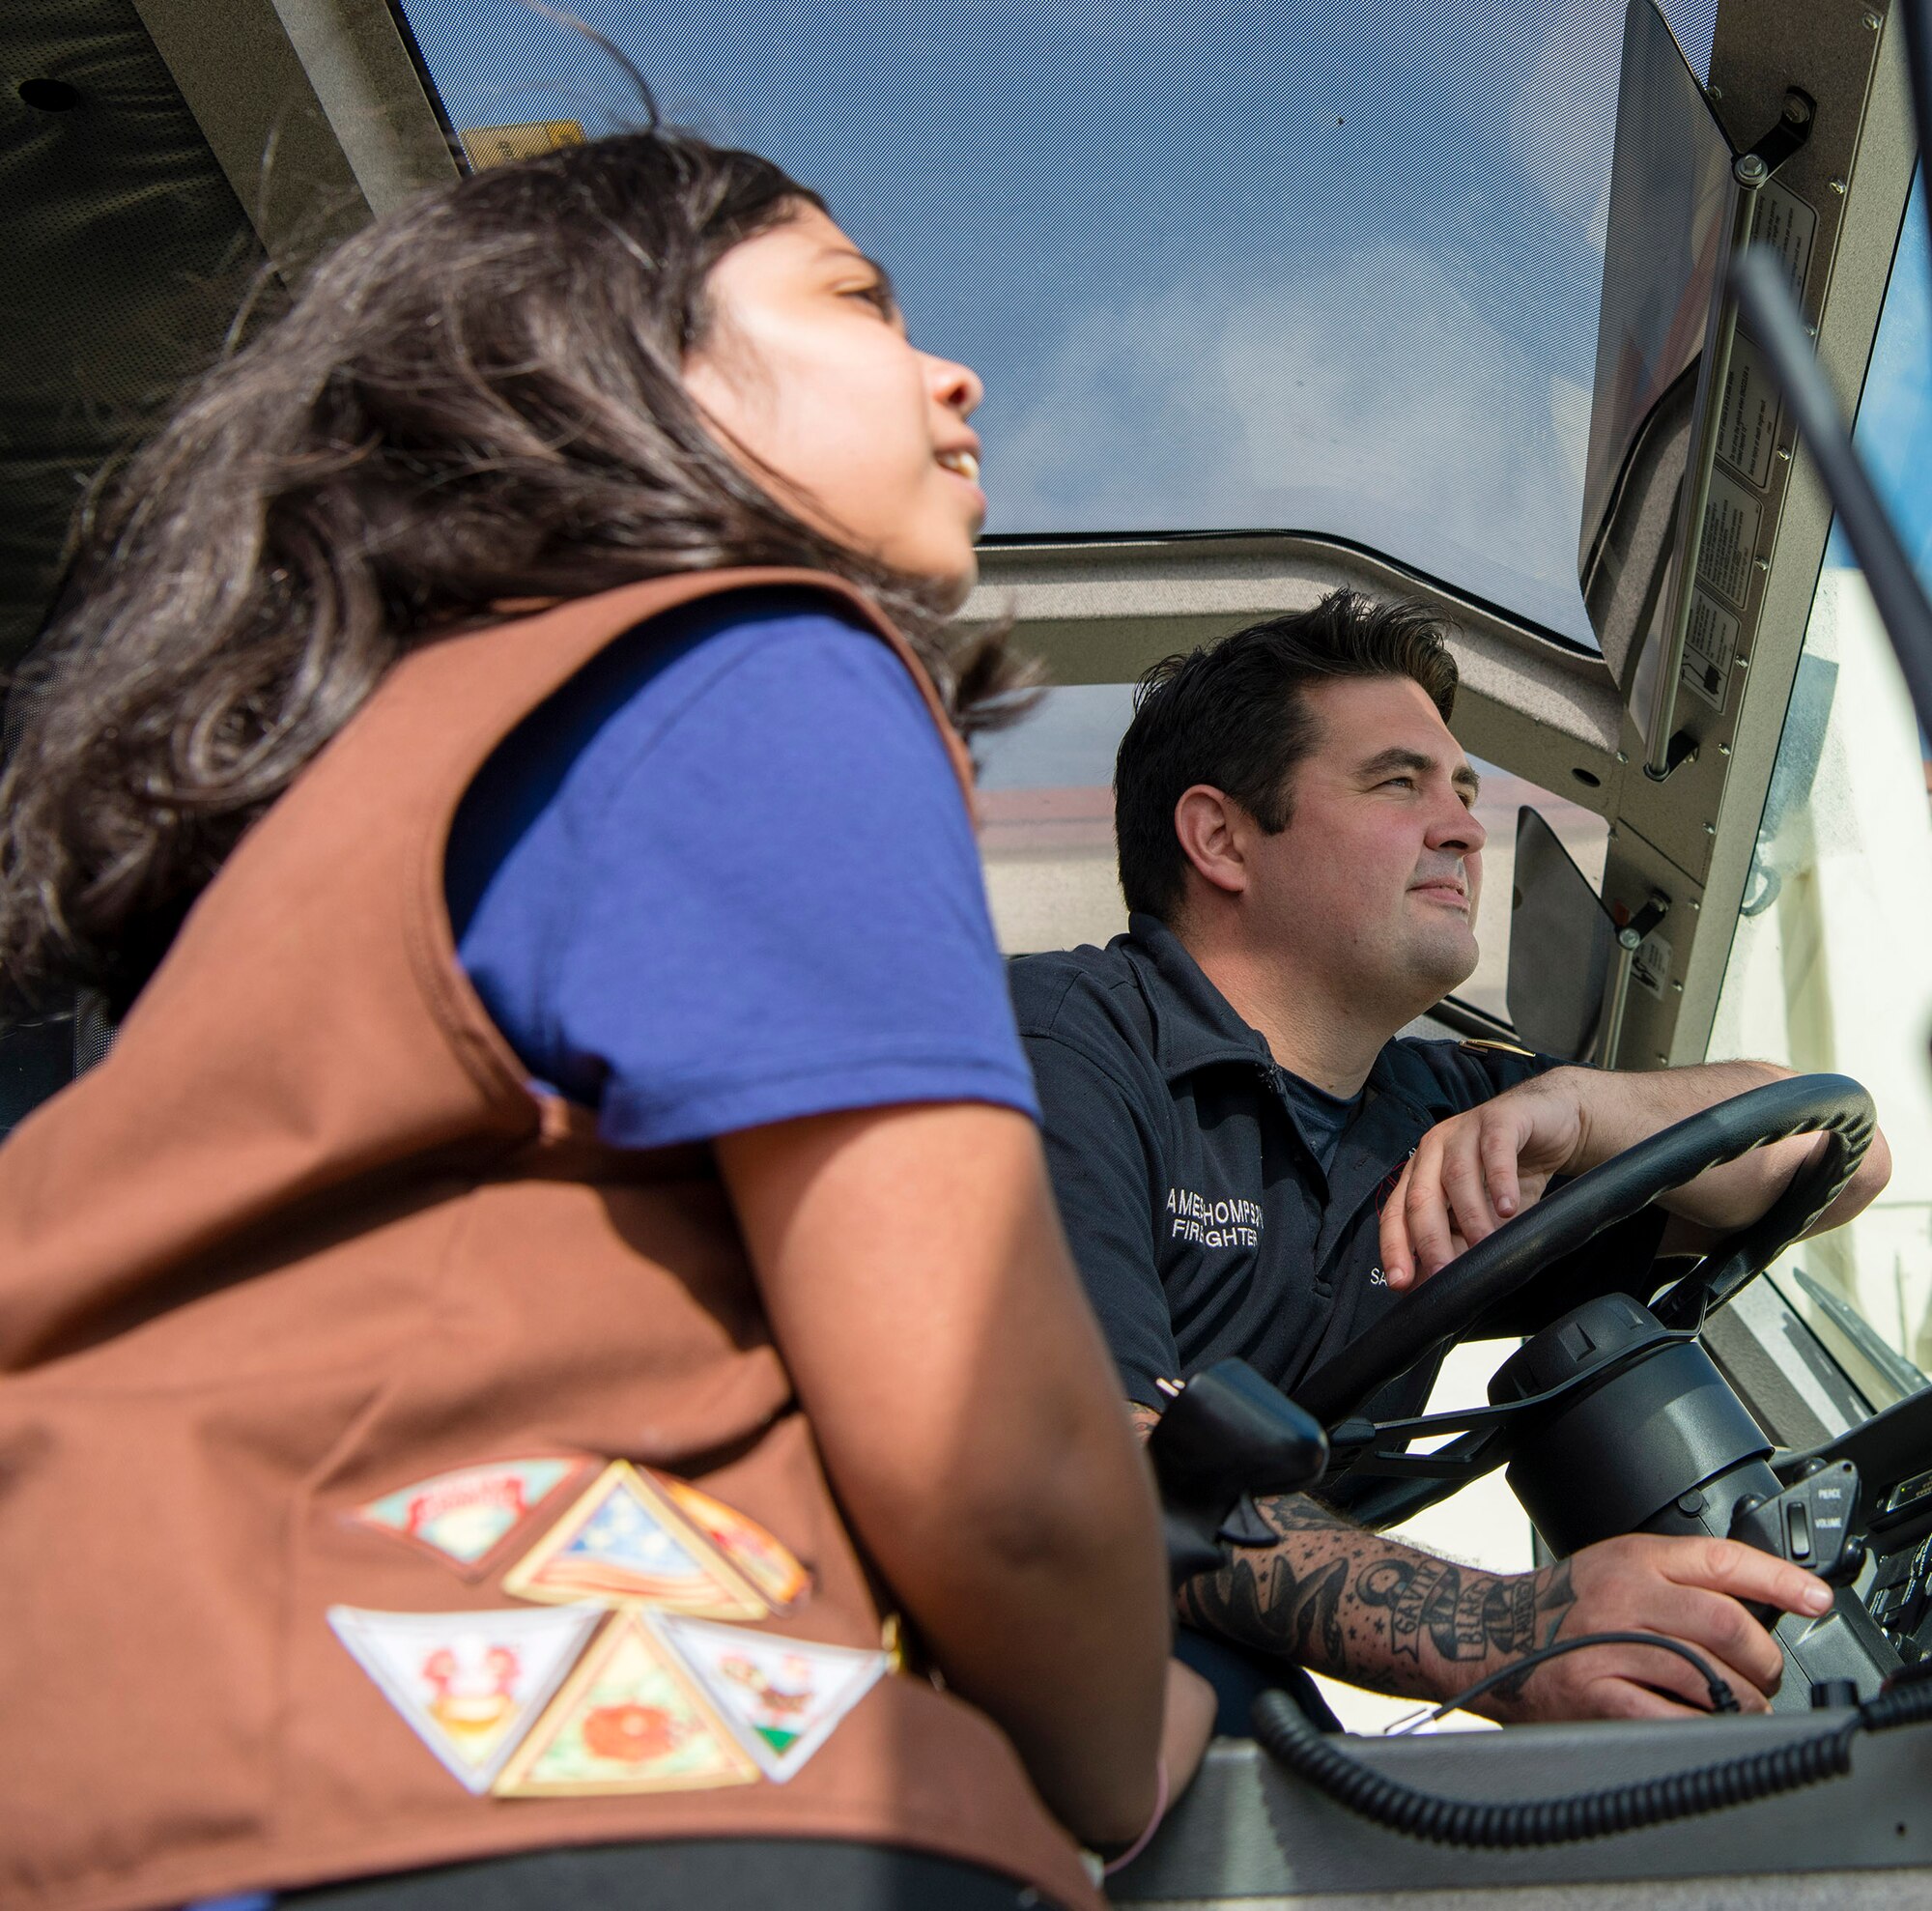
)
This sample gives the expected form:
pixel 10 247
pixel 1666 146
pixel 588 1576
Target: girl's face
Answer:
pixel 807 372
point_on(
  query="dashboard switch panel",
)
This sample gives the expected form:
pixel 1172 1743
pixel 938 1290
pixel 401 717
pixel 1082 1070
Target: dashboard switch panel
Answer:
pixel 1809 1523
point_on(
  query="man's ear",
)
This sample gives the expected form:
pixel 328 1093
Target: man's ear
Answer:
pixel 1205 823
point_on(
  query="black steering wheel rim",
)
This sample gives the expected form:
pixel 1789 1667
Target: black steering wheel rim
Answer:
pixel 1563 1221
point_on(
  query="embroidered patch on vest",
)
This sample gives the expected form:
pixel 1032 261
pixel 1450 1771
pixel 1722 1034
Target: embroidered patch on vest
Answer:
pixel 782 1697
pixel 629 1719
pixel 762 1560
pixel 624 1539
pixel 469 1684
pixel 463 1516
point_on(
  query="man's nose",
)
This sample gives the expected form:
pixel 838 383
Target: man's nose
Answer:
pixel 1458 827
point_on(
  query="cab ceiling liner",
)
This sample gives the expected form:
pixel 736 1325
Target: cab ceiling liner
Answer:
pixel 129 257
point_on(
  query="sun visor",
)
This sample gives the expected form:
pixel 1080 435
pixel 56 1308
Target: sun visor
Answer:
pixel 1671 193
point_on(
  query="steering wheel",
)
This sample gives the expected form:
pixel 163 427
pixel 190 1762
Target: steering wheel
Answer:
pixel 1446 1305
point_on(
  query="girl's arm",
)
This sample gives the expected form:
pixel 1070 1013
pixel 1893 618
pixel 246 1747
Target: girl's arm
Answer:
pixel 918 1286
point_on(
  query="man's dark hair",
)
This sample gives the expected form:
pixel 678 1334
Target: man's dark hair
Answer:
pixel 1232 715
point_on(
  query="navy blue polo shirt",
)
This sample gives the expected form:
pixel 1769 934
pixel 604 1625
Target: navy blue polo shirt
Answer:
pixel 1214 1209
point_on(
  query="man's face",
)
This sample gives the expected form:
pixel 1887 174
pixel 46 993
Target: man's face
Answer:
pixel 1373 885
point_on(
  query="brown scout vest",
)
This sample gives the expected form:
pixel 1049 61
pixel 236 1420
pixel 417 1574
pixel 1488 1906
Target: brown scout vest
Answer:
pixel 306 1236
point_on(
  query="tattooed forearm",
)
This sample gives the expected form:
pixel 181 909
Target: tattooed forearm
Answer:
pixel 1259 1599
pixel 1335 1598
pixel 1290 1598
pixel 1554 1597
pixel 1297 1513
pixel 1463 1616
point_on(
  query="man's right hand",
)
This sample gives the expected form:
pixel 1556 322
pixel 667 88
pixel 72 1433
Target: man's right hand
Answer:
pixel 1691 1591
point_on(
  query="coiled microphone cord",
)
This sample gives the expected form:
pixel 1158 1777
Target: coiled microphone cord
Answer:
pixel 1314 1757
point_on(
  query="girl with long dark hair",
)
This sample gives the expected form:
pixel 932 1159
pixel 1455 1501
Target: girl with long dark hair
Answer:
pixel 543 1364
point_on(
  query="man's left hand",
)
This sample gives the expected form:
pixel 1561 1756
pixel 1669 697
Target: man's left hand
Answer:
pixel 1472 1173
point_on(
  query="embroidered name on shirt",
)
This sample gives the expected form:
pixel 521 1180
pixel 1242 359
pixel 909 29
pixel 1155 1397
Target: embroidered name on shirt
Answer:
pixel 1209 1223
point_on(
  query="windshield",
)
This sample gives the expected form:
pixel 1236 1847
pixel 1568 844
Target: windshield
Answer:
pixel 1828 970
pixel 1328 267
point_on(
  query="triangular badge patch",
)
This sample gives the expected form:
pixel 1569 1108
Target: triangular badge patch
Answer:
pixel 463 1516
pixel 470 1684
pixel 762 1560
pixel 629 1720
pixel 784 1697
pixel 623 1539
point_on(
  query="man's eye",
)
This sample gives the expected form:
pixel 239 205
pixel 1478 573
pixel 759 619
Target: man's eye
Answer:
pixel 876 296
pixel 1399 783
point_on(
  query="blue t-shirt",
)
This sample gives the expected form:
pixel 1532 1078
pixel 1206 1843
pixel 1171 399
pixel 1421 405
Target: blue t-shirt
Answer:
pixel 1323 1118
pixel 724 877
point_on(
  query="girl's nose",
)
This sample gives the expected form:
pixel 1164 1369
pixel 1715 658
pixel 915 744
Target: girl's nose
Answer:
pixel 956 386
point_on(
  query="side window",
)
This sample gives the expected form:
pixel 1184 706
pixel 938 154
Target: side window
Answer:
pixel 1046 805
pixel 1827 968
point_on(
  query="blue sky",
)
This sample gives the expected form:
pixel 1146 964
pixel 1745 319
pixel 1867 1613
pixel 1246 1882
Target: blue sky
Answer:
pixel 1894 429
pixel 1327 265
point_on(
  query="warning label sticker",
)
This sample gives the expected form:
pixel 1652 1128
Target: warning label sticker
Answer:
pixel 1732 520
pixel 1709 646
pixel 1748 425
pixel 502 145
pixel 1788 225
pixel 1652 964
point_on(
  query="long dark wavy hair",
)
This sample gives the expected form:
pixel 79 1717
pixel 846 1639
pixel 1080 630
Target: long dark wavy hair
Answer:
pixel 477 399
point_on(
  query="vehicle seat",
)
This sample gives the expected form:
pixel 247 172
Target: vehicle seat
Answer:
pixel 38 1057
